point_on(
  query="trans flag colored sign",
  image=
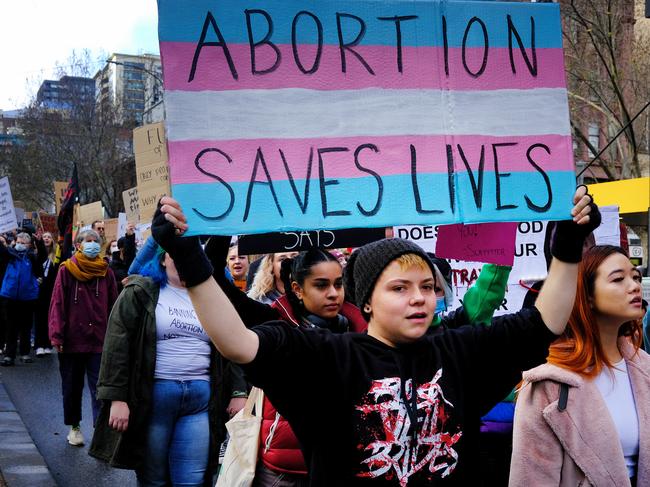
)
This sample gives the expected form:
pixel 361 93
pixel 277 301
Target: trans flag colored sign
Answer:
pixel 296 115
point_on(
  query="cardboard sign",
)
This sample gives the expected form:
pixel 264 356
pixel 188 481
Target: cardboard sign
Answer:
pixel 149 144
pixel 298 241
pixel 348 116
pixel 8 221
pixel 487 242
pixel 91 212
pixel 153 174
pixel 148 201
pixel 60 188
pixel 110 230
pixel 131 204
pixel 48 223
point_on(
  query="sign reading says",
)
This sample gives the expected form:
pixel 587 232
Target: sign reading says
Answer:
pixel 298 241
pixel 282 116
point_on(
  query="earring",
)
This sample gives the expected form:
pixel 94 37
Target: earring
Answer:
pixel 367 309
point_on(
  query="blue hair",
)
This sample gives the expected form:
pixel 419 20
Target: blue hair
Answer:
pixel 154 269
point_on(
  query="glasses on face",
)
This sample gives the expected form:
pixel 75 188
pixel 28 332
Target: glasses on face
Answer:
pixel 100 229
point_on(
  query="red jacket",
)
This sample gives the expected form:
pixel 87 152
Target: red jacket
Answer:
pixel 79 311
pixel 279 448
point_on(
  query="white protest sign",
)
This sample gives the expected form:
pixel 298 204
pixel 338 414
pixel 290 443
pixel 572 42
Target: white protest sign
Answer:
pixel 609 231
pixel 121 224
pixel 8 219
pixel 529 265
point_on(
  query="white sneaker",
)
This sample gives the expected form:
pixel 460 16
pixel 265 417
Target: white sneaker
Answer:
pixel 47 351
pixel 75 438
pixel 40 351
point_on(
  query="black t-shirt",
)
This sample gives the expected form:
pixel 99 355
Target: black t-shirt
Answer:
pixel 349 397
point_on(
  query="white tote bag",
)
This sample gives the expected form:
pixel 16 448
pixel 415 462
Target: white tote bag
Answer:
pixel 240 459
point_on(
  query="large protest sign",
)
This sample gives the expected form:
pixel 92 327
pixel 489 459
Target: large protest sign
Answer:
pixel 8 220
pixel 286 116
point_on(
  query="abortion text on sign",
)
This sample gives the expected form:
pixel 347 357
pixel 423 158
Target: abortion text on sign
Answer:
pixel 365 114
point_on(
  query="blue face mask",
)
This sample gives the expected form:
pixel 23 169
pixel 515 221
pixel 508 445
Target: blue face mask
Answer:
pixel 441 305
pixel 90 249
pixel 20 247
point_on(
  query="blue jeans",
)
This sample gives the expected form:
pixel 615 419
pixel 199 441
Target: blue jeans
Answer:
pixel 178 438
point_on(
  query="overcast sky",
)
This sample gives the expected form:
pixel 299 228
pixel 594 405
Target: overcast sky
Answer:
pixel 36 34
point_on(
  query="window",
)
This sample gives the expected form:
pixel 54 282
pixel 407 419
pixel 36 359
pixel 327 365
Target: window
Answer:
pixel 131 64
pixel 134 85
pixel 594 135
pixel 137 75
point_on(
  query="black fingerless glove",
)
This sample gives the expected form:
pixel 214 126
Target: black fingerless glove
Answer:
pixel 569 237
pixel 191 262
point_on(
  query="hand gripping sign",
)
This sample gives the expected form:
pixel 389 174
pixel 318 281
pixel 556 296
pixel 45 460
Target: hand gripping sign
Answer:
pixel 287 116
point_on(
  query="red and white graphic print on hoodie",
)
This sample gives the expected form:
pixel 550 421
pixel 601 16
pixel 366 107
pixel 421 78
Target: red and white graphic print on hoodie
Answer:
pixel 393 449
pixel 348 397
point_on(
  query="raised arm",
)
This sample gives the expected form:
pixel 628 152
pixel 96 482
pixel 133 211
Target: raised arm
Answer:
pixel 216 313
pixel 557 296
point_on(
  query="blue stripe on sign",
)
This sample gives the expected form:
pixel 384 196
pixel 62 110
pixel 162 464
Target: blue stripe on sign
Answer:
pixel 182 21
pixel 398 205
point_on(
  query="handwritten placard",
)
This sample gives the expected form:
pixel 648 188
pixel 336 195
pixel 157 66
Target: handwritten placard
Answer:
pixel 488 242
pixel 8 220
pixel 282 116
pixel 298 241
pixel 156 174
pixel 131 204
pixel 149 144
pixel 48 223
pixel 91 212
pixel 148 201
pixel 60 188
pixel 110 230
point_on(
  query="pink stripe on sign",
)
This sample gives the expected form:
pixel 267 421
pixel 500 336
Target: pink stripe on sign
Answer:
pixel 393 156
pixel 422 67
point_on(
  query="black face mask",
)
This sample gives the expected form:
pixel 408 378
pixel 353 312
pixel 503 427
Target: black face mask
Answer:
pixel 339 324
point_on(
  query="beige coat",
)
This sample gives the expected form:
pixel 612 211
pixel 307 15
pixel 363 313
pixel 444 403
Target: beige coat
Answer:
pixel 578 446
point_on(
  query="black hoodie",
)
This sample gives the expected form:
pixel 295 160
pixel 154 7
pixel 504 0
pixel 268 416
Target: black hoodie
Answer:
pixel 348 397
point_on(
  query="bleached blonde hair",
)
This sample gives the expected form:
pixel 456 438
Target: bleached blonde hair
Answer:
pixel 264 281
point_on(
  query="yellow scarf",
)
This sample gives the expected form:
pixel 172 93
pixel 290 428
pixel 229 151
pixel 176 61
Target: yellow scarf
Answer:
pixel 84 269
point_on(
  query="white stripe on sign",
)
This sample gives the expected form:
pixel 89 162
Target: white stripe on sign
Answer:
pixel 299 113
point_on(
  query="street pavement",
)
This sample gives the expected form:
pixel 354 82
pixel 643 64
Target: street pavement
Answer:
pixel 35 390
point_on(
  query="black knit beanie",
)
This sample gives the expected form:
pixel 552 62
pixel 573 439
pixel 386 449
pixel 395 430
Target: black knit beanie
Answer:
pixel 368 262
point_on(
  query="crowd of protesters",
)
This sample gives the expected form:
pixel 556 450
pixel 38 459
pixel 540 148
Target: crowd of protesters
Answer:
pixel 362 372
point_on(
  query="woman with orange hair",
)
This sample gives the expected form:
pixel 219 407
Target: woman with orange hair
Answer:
pixel 583 418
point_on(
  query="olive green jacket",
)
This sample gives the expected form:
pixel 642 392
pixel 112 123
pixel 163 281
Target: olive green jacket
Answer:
pixel 127 374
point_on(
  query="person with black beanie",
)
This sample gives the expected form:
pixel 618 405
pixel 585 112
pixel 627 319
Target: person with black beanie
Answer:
pixel 397 405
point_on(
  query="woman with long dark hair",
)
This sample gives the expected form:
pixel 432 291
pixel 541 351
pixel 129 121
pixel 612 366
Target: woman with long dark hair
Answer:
pixel 582 418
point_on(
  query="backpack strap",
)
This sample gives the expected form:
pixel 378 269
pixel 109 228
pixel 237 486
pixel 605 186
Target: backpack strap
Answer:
pixel 564 397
